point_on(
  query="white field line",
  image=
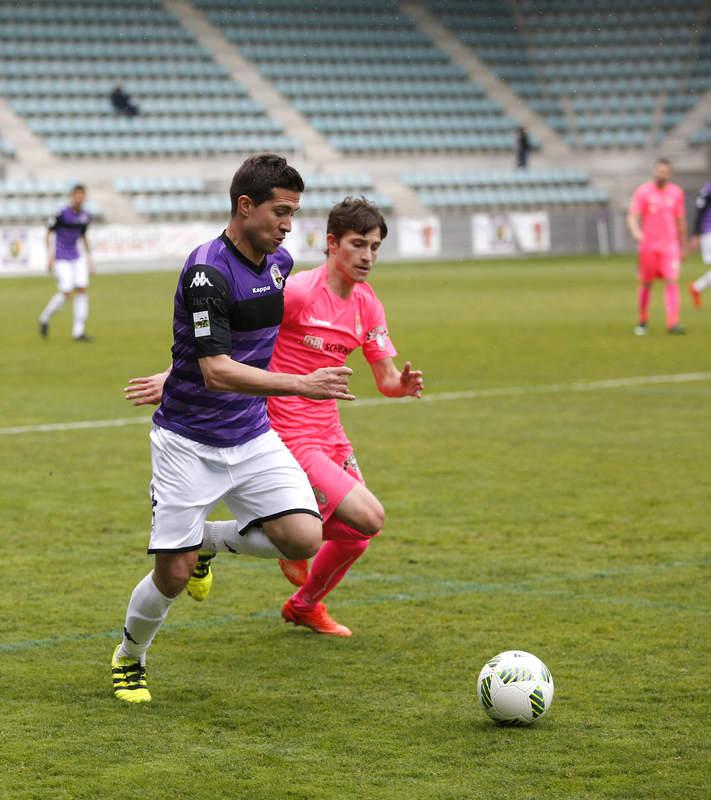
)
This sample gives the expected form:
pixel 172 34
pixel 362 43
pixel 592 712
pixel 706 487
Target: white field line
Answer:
pixel 473 394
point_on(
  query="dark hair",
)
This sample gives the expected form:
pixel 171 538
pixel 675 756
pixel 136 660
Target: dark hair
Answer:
pixel 355 214
pixel 662 160
pixel 78 187
pixel 260 175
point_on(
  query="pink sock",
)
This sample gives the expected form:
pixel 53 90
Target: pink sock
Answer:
pixel 328 568
pixel 643 297
pixel 672 303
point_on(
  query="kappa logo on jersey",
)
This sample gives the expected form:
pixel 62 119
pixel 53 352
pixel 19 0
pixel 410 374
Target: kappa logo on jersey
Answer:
pixel 201 323
pixel 277 277
pixel 260 289
pixel 200 279
pixel 379 334
pixel 358 326
pixel 314 342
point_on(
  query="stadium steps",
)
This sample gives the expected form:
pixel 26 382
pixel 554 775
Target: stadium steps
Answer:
pixel 30 152
pixel 404 198
pixel 313 146
pixel 554 146
pixel 676 144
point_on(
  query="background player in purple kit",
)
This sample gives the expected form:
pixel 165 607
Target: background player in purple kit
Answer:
pixel 70 268
pixel 211 440
pixel 702 238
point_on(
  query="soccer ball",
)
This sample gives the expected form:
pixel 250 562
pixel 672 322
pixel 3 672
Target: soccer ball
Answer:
pixel 515 688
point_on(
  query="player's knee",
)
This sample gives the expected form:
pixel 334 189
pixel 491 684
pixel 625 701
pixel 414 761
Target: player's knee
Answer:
pixel 172 571
pixel 372 518
pixel 296 536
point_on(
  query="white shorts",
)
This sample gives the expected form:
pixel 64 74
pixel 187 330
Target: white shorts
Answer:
pixel 705 247
pixel 259 480
pixel 71 274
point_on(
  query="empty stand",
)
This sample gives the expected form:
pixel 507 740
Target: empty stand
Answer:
pixel 504 189
pixel 35 201
pixel 7 149
pixel 175 197
pixel 604 73
pixel 364 76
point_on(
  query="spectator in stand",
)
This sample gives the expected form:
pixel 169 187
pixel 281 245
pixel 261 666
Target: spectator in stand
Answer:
pixel 523 148
pixel 121 102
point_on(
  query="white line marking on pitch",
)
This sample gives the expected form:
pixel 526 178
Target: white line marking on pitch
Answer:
pixel 473 394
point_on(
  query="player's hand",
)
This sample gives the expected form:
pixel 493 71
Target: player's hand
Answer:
pixel 693 243
pixel 411 381
pixel 50 264
pixel 145 391
pixel 92 268
pixel 638 237
pixel 327 383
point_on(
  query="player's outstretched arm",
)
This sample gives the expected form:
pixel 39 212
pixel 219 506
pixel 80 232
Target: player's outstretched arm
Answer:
pixel 683 233
pixel 146 391
pixel 222 374
pixel 395 383
pixel 633 225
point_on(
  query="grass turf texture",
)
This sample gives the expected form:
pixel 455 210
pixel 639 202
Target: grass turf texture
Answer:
pixel 570 524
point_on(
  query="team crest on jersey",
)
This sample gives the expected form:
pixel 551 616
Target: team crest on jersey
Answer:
pixel 277 277
pixel 379 334
pixel 201 324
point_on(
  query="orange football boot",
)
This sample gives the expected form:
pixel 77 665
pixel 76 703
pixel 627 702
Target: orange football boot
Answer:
pixel 695 295
pixel 317 619
pixel 295 572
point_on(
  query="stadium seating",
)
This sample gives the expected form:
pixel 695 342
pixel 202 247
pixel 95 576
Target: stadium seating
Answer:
pixel 59 63
pixel 504 189
pixel 176 197
pixel 702 136
pixel 35 201
pixel 600 73
pixel 699 82
pixel 365 76
pixel 7 149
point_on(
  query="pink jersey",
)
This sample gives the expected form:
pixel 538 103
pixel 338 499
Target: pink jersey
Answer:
pixel 321 329
pixel 659 209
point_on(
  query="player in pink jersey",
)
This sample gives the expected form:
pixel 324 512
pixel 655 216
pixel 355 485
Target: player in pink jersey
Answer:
pixel 328 312
pixel 657 222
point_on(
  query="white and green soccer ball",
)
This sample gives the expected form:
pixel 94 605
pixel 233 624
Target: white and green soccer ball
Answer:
pixel 515 688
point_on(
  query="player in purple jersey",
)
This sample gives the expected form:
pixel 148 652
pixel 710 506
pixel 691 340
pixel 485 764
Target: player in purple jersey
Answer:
pixel 702 240
pixel 211 439
pixel 71 270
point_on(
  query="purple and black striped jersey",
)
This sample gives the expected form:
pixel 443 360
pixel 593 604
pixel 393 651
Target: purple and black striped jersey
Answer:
pixel 702 223
pixel 224 304
pixel 68 227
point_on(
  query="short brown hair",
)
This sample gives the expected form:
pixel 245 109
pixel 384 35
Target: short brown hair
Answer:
pixel 355 214
pixel 260 175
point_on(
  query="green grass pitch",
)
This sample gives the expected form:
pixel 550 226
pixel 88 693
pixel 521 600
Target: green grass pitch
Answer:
pixel 543 510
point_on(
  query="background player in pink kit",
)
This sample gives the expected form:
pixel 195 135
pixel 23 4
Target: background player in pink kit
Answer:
pixel 328 312
pixel 657 222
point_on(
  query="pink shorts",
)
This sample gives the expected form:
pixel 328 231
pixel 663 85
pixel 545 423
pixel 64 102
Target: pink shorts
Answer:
pixel 658 264
pixel 332 473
